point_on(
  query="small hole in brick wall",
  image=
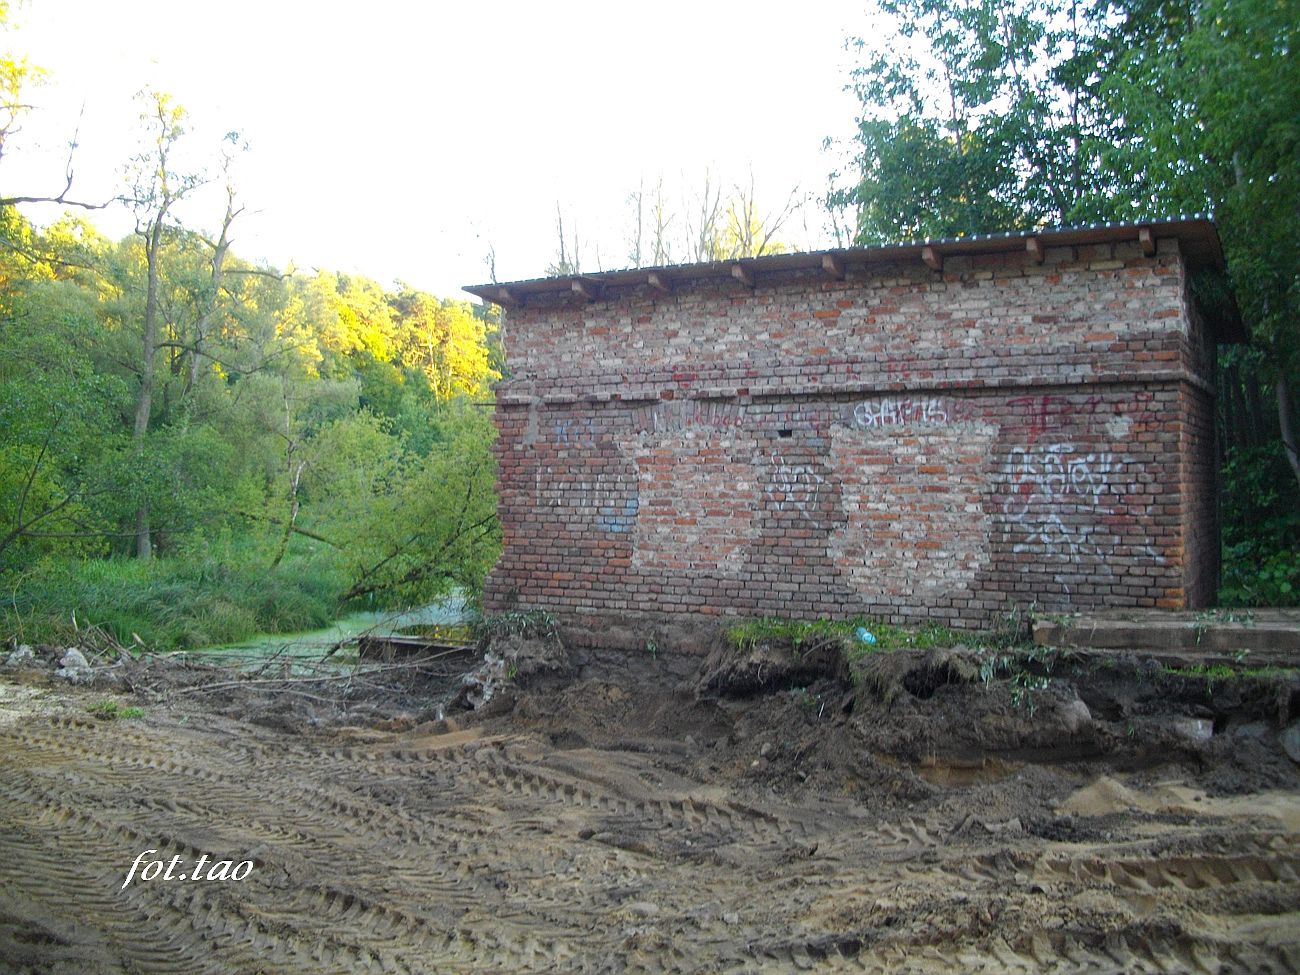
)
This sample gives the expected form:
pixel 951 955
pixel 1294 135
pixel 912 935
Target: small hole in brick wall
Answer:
pixel 785 433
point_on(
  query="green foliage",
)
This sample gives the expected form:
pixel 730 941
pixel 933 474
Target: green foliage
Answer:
pixel 1261 529
pixel 171 604
pixel 528 624
pixel 1024 688
pixel 801 634
pixel 917 181
pixel 434 529
pixel 110 710
pixel 998 660
pixel 283 444
pixel 1215 673
pixel 1212 88
pixel 978 117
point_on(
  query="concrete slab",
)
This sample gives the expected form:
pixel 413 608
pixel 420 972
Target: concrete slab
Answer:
pixel 1255 637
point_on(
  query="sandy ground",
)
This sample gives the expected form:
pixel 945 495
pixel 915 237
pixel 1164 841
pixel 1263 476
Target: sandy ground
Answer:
pixel 630 815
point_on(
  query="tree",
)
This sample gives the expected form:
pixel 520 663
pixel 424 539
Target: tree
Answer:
pixel 979 116
pixel 709 226
pixel 1211 87
pixel 748 232
pixel 59 430
pixel 568 255
pixel 437 530
pixel 161 396
pixel 17 78
pixel 156 188
pixel 446 341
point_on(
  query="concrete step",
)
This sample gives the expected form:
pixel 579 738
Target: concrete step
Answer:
pixel 1254 637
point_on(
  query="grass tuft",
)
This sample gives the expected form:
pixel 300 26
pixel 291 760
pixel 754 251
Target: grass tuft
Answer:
pixel 110 710
pixel 800 634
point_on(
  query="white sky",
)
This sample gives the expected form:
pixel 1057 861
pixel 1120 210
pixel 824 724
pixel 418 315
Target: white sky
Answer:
pixel 400 139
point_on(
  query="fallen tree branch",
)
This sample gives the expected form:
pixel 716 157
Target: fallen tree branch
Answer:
pixel 418 572
pixel 296 529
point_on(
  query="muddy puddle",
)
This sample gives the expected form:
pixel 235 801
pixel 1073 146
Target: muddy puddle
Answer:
pixel 337 644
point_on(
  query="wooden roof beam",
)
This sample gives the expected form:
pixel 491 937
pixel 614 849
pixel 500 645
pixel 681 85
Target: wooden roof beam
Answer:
pixel 589 288
pixel 505 298
pixel 660 281
pixel 1147 238
pixel 932 258
pixel 833 265
pixel 1034 247
pixel 742 274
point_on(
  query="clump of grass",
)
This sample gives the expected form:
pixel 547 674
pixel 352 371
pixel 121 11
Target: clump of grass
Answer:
pixel 110 710
pixel 801 634
pixel 529 624
pixel 1210 673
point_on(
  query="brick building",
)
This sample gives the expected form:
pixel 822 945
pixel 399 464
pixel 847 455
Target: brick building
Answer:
pixel 933 431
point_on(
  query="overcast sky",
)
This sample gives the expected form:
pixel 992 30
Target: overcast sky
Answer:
pixel 402 139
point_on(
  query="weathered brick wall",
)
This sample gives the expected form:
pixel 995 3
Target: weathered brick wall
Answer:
pixel 904 443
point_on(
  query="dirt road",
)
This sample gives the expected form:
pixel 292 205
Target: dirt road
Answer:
pixel 607 824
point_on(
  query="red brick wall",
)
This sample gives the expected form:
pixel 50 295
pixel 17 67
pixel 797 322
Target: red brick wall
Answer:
pixel 903 443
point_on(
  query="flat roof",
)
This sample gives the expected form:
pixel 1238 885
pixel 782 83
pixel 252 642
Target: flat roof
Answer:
pixel 1197 237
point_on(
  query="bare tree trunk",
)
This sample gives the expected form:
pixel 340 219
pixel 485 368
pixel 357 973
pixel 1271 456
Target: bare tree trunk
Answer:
pixel 1259 426
pixel 1286 420
pixel 219 250
pixel 295 478
pixel 1242 436
pixel 662 249
pixel 637 198
pixel 144 398
pixel 1227 413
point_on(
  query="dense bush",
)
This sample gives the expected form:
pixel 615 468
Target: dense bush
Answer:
pixel 1261 529
pixel 168 603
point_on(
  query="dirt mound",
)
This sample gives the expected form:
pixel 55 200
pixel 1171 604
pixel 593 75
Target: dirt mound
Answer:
pixel 530 649
pixel 765 666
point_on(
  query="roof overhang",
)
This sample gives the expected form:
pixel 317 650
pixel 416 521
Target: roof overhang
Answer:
pixel 1197 236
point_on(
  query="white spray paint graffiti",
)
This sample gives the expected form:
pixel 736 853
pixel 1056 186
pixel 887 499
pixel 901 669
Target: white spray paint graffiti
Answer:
pixel 1052 480
pixel 794 487
pixel 890 412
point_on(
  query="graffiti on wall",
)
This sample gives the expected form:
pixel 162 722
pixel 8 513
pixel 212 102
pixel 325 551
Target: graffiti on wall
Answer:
pixel 892 411
pixel 793 487
pixel 685 416
pixel 619 520
pixel 1061 498
pixel 574 431
pixel 1048 485
pixel 607 502
pixel 1046 413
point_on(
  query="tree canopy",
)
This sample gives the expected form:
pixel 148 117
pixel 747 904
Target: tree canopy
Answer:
pixel 162 397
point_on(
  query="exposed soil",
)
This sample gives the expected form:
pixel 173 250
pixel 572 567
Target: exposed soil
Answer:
pixel 611 813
